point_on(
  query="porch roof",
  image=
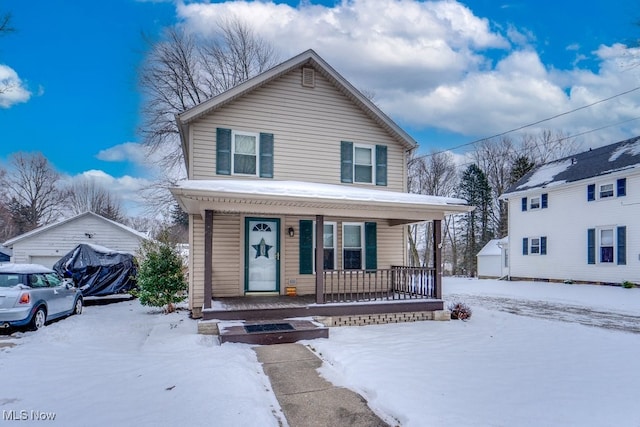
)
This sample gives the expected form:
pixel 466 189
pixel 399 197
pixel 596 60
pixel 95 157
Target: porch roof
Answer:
pixel 307 198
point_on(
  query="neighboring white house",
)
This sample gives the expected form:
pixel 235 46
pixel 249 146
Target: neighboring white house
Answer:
pixel 578 218
pixel 47 244
pixel 493 259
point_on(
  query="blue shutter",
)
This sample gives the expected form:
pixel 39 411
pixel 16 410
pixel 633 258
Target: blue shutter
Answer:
pixel 622 245
pixel 306 246
pixel 591 246
pixel 381 165
pixel 544 201
pixel 371 246
pixel 223 151
pixel 525 246
pixel 591 192
pixel 622 187
pixel 524 204
pixel 266 155
pixel 543 245
pixel 346 162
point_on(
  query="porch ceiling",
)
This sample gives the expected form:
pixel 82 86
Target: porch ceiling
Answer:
pixel 301 198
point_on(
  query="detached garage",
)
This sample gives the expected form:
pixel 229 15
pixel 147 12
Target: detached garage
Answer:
pixel 47 244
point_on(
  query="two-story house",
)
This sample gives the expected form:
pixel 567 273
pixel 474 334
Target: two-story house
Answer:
pixel 578 218
pixel 297 184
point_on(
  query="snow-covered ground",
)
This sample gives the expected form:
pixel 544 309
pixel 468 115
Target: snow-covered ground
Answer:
pixel 127 365
pixel 548 364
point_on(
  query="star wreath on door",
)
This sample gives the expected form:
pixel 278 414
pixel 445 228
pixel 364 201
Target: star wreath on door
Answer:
pixel 262 249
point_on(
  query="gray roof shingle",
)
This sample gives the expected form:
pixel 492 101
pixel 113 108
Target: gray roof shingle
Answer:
pixel 588 164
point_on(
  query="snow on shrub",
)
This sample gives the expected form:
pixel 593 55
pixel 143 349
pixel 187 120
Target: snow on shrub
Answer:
pixel 460 310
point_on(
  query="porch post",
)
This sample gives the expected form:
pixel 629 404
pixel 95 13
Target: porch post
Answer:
pixel 208 258
pixel 319 259
pixel 437 256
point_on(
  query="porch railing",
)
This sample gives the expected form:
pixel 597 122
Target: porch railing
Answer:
pixel 395 283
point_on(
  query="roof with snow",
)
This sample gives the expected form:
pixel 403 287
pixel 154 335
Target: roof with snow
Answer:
pixel 44 228
pixel 589 164
pixel 494 247
pixel 309 198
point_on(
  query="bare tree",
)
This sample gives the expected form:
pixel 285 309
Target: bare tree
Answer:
pixel 495 158
pixel 5 24
pixel 435 174
pixel 547 146
pixel 184 70
pixel 30 185
pixel 6 28
pixel 86 195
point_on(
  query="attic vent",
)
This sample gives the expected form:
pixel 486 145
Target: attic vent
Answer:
pixel 308 77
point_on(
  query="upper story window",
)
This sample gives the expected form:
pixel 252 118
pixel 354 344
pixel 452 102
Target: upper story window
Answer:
pixel 244 153
pixel 362 163
pixel 535 202
pixel 363 158
pixel 607 190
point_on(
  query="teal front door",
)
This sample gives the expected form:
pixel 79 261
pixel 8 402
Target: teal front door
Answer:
pixel 262 255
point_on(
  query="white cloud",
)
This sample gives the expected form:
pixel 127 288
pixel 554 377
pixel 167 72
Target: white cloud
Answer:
pixel 141 156
pixel 126 187
pixel 437 65
pixel 12 88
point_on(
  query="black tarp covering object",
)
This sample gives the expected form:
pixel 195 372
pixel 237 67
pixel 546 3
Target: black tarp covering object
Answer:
pixel 98 271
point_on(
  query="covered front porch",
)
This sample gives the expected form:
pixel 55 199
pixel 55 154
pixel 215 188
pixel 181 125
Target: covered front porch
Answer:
pixel 381 285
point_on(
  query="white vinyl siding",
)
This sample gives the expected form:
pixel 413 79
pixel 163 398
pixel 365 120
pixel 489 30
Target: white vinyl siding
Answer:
pixel 308 126
pixel 565 223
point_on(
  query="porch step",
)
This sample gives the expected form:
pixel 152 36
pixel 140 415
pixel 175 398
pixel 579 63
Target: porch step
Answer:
pixel 271 331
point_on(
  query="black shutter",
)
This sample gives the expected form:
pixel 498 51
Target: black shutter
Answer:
pixel 223 151
pixel 381 165
pixel 266 155
pixel 525 246
pixel 524 204
pixel 591 192
pixel 622 187
pixel 346 162
pixel 306 246
pixel 622 245
pixel 543 245
pixel 545 201
pixel 591 246
pixel 371 246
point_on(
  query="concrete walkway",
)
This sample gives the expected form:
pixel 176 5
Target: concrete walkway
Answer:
pixel 307 399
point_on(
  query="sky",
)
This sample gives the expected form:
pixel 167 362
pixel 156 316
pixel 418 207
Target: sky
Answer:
pixel 448 72
pixel 127 365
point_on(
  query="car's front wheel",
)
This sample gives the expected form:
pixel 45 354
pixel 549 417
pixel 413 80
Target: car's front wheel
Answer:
pixel 39 319
pixel 77 308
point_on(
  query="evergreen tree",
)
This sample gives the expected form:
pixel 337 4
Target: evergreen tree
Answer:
pixel 161 279
pixel 521 166
pixel 475 189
